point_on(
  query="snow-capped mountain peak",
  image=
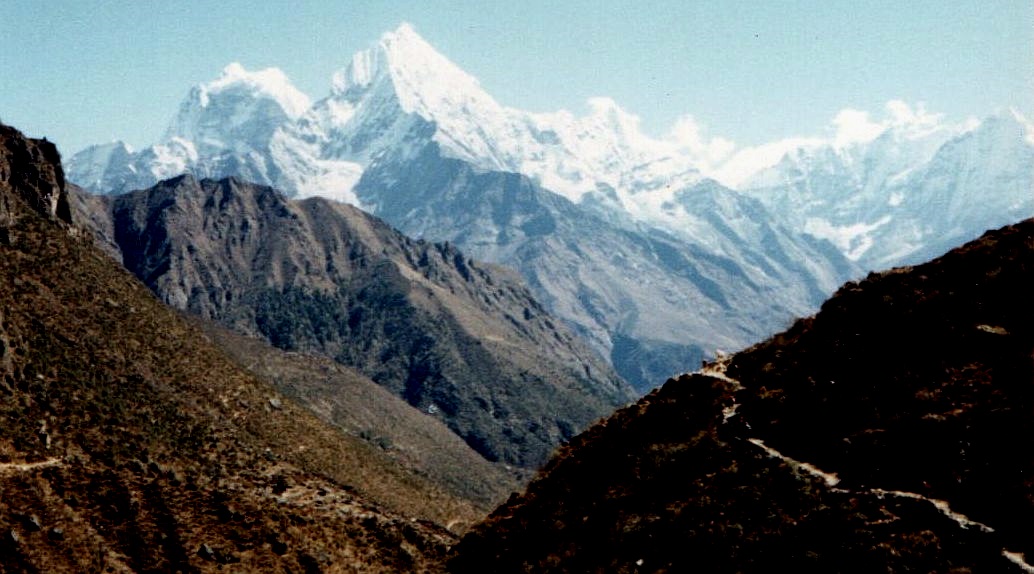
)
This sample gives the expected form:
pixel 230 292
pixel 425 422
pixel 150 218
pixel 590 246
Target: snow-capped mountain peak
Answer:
pixel 902 121
pixel 609 115
pixel 238 110
pixel 567 154
pixel 425 81
pixel 95 163
pixel 403 84
pixel 401 97
pixel 649 248
pixel 913 187
pixel 402 91
pixel 270 82
pixel 223 127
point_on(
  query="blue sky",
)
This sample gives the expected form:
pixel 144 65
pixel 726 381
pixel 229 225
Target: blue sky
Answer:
pixel 82 71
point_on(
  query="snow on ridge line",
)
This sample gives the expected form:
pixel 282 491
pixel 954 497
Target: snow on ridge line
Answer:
pixel 568 154
pixel 272 82
pixel 431 85
pixel 1027 124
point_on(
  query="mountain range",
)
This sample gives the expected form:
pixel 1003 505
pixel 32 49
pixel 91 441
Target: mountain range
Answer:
pixel 891 432
pixel 401 94
pixel 414 386
pixel 652 262
pixel 309 335
pixel 917 190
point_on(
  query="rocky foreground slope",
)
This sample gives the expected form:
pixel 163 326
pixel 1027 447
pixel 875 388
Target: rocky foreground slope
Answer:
pixel 891 432
pixel 130 443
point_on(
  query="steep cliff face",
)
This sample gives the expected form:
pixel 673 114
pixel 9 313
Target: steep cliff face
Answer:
pixel 463 341
pixel 890 432
pixel 30 170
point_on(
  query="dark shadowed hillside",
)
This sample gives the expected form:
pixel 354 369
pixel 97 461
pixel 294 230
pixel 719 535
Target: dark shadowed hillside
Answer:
pixel 130 443
pixel 892 432
pixel 460 340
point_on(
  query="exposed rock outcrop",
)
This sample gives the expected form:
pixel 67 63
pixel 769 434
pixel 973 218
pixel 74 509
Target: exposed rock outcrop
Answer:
pixel 31 170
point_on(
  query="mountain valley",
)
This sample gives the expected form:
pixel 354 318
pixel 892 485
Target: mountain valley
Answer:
pixel 886 431
pixel 404 327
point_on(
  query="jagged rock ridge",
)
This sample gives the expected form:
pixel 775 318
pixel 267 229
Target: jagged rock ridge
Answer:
pixel 31 170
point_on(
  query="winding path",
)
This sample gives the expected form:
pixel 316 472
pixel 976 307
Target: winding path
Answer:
pixel 716 370
pixel 15 467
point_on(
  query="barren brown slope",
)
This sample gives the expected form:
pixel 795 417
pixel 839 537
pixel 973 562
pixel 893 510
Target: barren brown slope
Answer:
pixel 360 408
pixel 128 443
pixel 892 432
pixel 463 341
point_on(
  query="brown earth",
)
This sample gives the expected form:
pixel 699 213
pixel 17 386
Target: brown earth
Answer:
pixel 128 442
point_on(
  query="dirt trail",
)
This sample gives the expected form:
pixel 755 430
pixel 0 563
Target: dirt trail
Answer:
pixel 717 370
pixel 13 467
